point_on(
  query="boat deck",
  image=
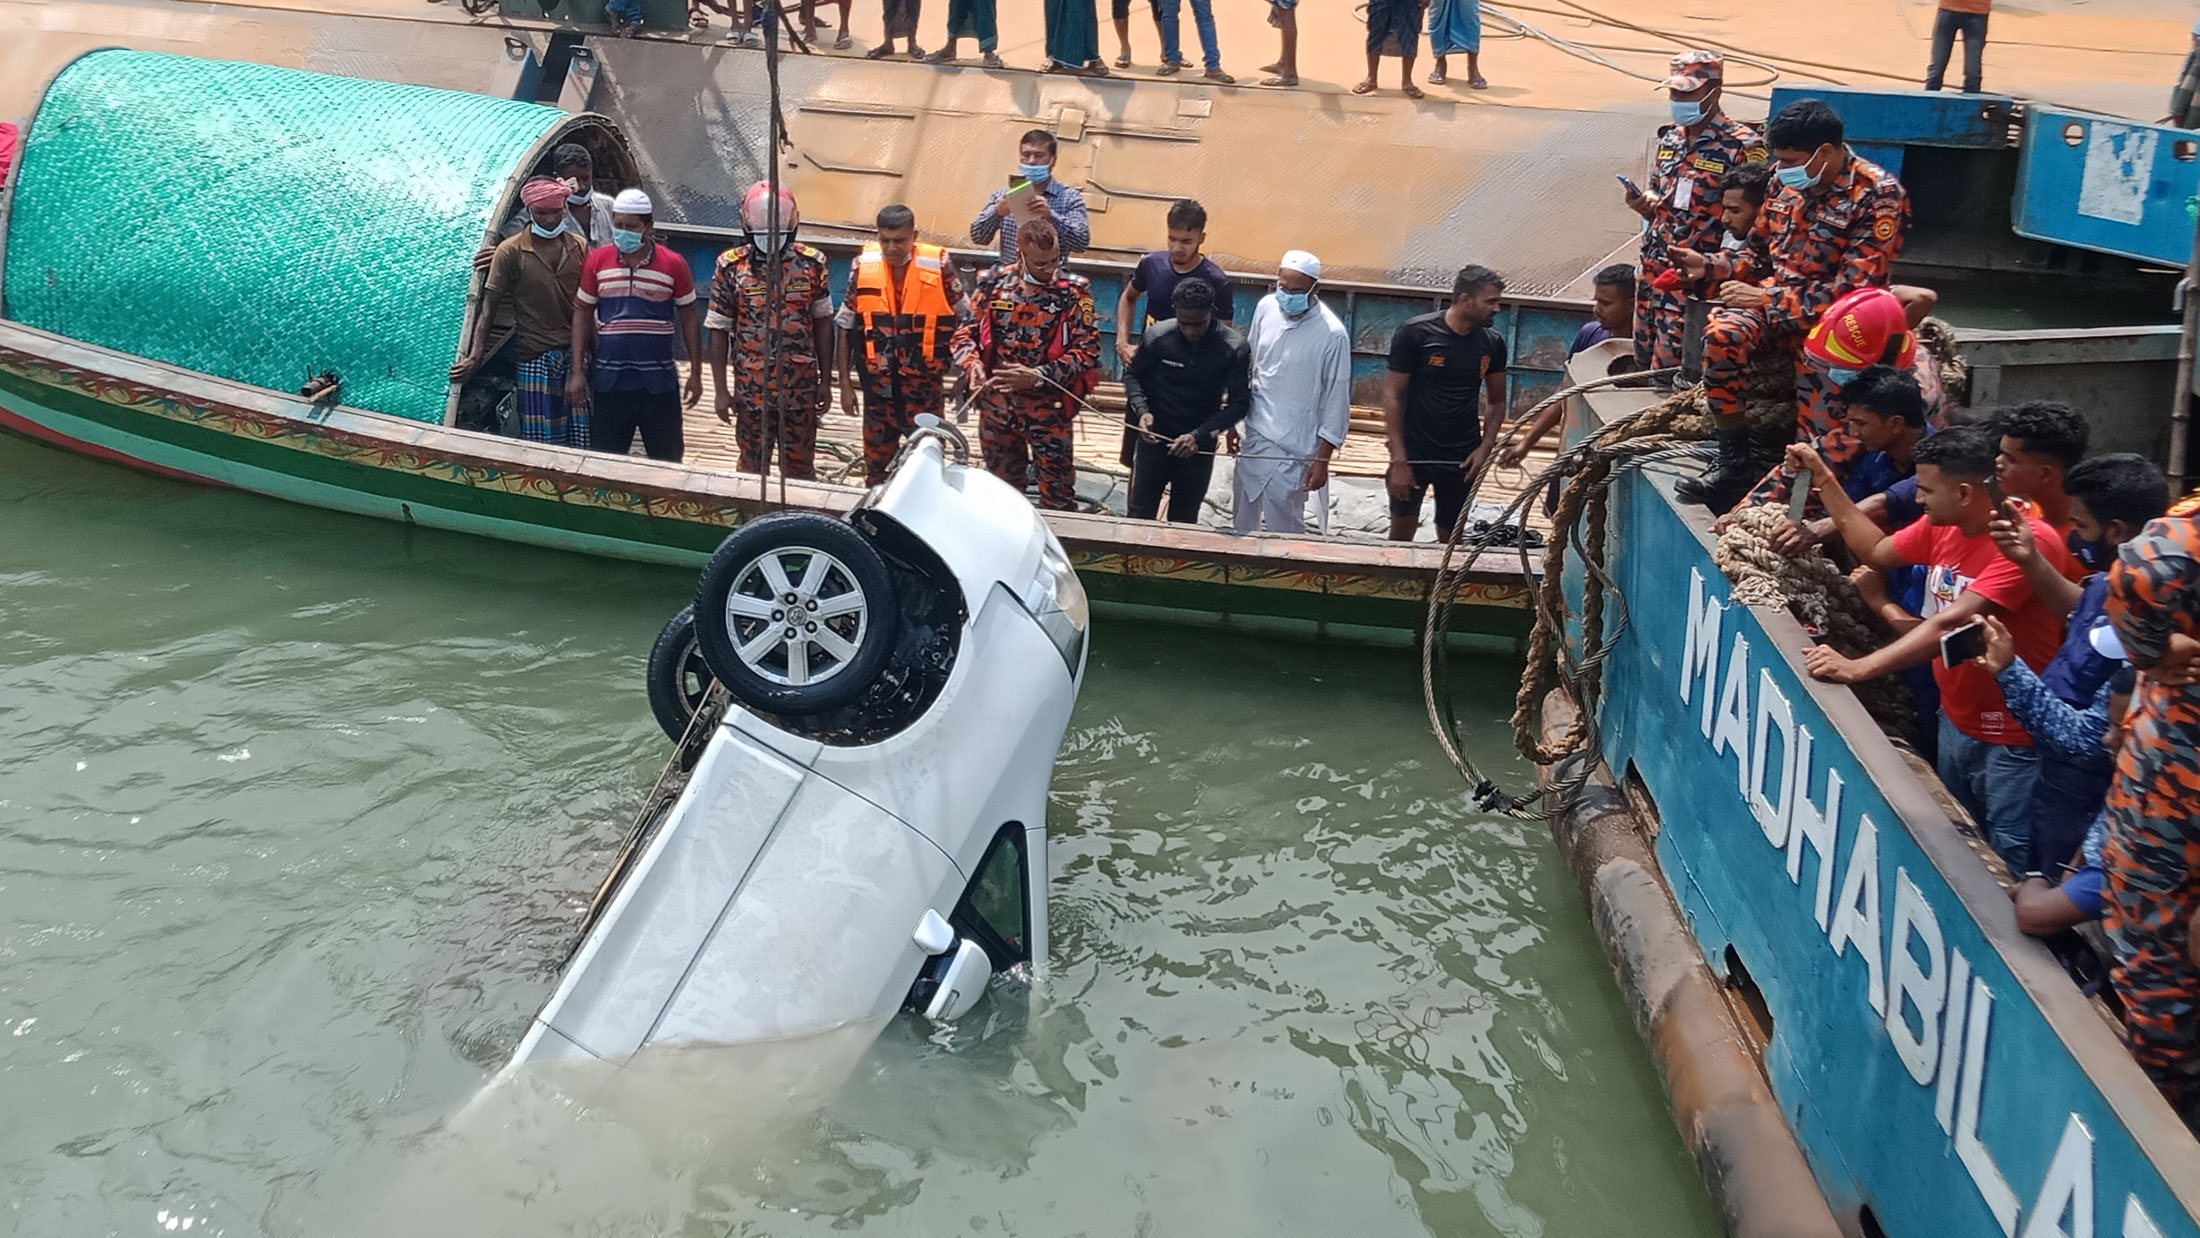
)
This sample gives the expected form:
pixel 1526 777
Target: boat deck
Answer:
pixel 1357 502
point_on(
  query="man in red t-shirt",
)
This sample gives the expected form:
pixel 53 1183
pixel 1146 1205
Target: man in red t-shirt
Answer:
pixel 1986 757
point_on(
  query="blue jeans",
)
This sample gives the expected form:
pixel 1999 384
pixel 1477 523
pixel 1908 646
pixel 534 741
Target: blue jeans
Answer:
pixel 1949 24
pixel 1203 16
pixel 1994 783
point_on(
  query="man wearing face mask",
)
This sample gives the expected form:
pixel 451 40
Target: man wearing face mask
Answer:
pixel 1682 206
pixel 588 210
pixel 1301 363
pixel 1063 205
pixel 771 403
pixel 636 297
pixel 1833 226
pixel 532 280
pixel 2112 498
pixel 1031 351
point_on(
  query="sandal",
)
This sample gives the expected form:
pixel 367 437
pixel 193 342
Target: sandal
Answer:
pixel 1123 61
pixel 881 52
pixel 939 57
pixel 1218 76
pixel 1478 82
pixel 844 41
pixel 1281 79
pixel 1437 78
pixel 1171 68
pixel 993 61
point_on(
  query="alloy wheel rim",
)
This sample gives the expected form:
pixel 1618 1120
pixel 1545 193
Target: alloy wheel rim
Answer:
pixel 797 616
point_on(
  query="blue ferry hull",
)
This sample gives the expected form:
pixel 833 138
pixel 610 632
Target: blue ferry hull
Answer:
pixel 1937 1067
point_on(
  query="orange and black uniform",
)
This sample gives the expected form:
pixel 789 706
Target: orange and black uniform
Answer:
pixel 1051 327
pixel 2152 858
pixel 901 333
pixel 1685 199
pixel 1818 245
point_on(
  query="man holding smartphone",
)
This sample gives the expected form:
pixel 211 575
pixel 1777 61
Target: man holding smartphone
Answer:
pixel 1986 756
pixel 1682 206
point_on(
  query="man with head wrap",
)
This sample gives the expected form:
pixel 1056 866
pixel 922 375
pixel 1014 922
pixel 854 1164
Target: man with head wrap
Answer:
pixel 588 209
pixel 532 279
pixel 772 402
pixel 1031 351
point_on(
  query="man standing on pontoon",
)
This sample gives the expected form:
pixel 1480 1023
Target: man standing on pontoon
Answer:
pixel 1302 400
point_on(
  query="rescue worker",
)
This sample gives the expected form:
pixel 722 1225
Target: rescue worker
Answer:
pixel 1868 327
pixel 904 305
pixel 1031 350
pixel 771 405
pixel 2154 810
pixel 1833 226
pixel 1684 203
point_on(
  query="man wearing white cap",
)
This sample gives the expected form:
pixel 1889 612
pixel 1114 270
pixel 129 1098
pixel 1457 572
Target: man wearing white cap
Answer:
pixel 1302 400
pixel 636 297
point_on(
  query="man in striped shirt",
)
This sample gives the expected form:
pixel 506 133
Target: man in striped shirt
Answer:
pixel 633 292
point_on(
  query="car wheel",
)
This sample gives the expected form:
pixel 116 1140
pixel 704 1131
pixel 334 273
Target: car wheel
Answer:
pixel 796 613
pixel 678 675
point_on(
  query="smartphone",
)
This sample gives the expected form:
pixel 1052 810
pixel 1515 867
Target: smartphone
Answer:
pixel 1994 492
pixel 1963 644
pixel 1631 186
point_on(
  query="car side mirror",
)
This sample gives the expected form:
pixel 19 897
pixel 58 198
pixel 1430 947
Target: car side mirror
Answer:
pixel 961 984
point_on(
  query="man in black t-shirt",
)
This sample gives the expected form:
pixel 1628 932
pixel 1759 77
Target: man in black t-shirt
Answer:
pixel 1443 401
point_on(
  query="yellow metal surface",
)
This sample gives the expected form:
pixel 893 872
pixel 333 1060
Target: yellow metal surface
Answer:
pixel 1386 189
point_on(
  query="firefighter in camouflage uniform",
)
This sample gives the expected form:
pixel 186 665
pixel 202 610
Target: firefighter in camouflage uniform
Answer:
pixel 897 328
pixel 1834 224
pixel 772 404
pixel 1032 352
pixel 2152 858
pixel 1681 208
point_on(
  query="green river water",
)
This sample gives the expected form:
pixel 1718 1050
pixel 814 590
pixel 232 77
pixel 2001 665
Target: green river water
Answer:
pixel 298 813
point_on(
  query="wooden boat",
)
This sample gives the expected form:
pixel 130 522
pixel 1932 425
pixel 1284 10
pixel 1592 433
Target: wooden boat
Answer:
pixel 202 401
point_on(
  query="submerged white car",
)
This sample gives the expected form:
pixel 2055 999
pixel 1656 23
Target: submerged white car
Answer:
pixel 864 827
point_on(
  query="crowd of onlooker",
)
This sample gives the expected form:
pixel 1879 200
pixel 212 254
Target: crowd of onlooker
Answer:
pixel 2043 603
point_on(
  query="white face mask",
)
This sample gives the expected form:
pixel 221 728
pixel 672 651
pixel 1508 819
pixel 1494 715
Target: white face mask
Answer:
pixel 1730 242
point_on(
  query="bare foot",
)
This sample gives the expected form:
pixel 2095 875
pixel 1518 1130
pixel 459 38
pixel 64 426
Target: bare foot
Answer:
pixel 881 52
pixel 942 56
pixel 1366 87
pixel 1413 91
pixel 1272 68
pixel 1281 79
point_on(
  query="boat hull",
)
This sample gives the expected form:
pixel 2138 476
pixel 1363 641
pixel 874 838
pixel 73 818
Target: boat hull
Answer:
pixel 1938 1068
pixel 145 415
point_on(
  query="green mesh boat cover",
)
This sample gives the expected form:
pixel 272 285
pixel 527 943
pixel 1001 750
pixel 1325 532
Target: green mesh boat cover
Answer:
pixel 260 223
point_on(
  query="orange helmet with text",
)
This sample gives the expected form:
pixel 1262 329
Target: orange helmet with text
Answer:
pixel 1865 328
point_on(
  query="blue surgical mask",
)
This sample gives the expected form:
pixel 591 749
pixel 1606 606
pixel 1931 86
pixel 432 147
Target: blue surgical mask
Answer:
pixel 1841 377
pixel 2091 554
pixel 627 241
pixel 1687 113
pixel 1036 173
pixel 578 199
pixel 1294 303
pixel 1798 177
pixel 547 233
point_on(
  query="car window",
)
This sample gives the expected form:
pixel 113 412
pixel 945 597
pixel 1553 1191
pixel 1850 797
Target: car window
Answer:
pixel 993 908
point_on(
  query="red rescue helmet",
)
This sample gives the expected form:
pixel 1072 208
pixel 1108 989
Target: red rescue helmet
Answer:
pixel 1865 328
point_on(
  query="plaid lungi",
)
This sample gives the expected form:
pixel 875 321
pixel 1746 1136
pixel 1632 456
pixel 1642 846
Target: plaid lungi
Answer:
pixel 543 416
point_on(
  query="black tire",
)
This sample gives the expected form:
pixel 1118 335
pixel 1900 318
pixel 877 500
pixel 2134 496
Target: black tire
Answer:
pixel 678 675
pixel 846 616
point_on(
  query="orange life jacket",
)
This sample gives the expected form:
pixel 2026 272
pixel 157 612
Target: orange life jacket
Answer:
pixel 917 323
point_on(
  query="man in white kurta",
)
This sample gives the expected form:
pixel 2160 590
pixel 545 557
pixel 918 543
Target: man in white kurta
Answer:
pixel 1302 400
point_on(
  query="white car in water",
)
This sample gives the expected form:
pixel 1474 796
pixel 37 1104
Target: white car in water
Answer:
pixel 864 828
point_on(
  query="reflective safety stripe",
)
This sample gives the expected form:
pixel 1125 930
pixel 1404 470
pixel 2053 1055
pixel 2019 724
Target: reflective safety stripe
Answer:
pixel 922 310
